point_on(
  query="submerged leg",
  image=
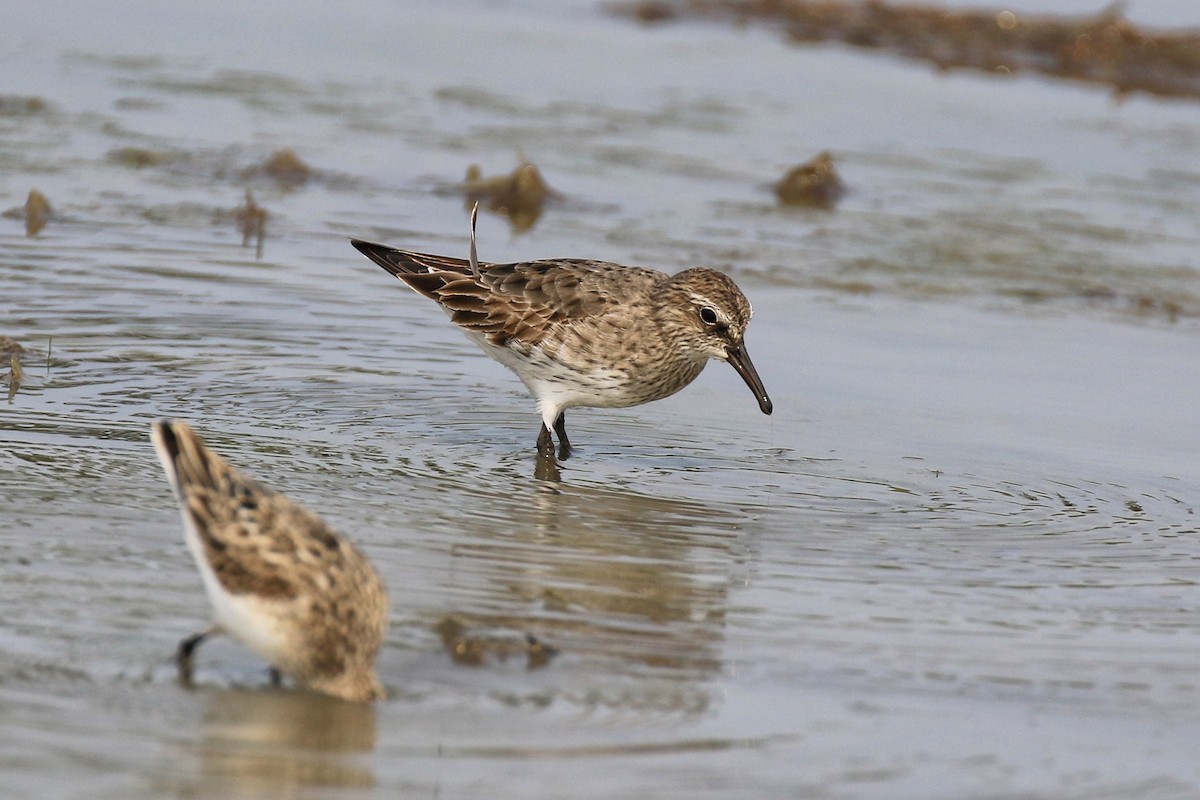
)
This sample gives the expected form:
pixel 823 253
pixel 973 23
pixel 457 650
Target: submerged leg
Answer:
pixel 547 468
pixel 545 443
pixel 547 464
pixel 564 444
pixel 183 656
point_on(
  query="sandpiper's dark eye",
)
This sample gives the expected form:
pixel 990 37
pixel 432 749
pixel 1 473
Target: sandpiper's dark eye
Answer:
pixel 708 315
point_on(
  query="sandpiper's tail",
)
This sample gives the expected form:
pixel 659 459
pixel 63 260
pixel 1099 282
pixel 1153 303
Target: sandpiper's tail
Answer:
pixel 184 457
pixel 425 273
pixel 404 262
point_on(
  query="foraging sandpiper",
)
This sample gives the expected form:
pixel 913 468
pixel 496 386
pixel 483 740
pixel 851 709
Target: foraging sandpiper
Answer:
pixel 586 333
pixel 280 580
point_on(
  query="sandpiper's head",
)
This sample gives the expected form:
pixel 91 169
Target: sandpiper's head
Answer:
pixel 715 312
pixel 359 684
pixel 345 645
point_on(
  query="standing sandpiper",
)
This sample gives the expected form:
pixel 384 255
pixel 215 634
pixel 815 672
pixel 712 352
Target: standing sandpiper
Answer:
pixel 586 333
pixel 280 580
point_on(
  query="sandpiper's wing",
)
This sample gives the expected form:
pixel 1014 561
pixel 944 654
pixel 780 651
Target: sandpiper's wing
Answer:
pixel 254 540
pixel 521 302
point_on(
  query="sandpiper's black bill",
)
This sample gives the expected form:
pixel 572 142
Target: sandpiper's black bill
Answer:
pixel 739 359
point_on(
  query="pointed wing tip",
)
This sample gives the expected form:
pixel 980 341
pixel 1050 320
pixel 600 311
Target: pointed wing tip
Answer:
pixel 165 434
pixel 405 264
pixel 170 438
pixel 382 255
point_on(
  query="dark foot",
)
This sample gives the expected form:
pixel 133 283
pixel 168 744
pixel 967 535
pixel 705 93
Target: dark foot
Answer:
pixel 276 676
pixel 564 444
pixel 183 656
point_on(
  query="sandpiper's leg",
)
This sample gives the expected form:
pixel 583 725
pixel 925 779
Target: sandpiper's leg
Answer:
pixel 547 468
pixel 183 656
pixel 564 444
pixel 545 443
pixel 275 675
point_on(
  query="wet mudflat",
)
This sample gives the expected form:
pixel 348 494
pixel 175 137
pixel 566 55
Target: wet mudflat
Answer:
pixel 1102 47
pixel 959 560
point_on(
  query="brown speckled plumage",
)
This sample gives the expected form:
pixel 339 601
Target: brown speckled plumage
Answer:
pixel 279 578
pixel 587 333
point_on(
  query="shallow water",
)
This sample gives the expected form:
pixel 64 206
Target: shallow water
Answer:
pixel 960 559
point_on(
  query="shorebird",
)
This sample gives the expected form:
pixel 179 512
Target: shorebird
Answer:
pixel 280 580
pixel 586 333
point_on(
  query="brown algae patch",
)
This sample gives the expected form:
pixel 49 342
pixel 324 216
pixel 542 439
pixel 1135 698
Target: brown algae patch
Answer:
pixel 10 347
pixel 12 352
pixel 814 184
pixel 283 167
pixel 141 157
pixel 520 195
pixel 1103 48
pixel 475 650
pixel 255 89
pixel 251 221
pixel 35 213
pixel 15 105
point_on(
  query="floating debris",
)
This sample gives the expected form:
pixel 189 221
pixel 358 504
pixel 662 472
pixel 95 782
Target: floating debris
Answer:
pixel 250 219
pixel 140 157
pixel 12 352
pixel 10 346
pixel 1102 48
pixel 14 105
pixel 521 195
pixel 37 212
pixel 474 650
pixel 1169 309
pixel 538 653
pixel 814 184
pixel 650 11
pixel 139 104
pixel 15 376
pixel 462 648
pixel 285 166
pixel 252 222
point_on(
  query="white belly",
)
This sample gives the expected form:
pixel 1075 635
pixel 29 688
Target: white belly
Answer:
pixel 251 620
